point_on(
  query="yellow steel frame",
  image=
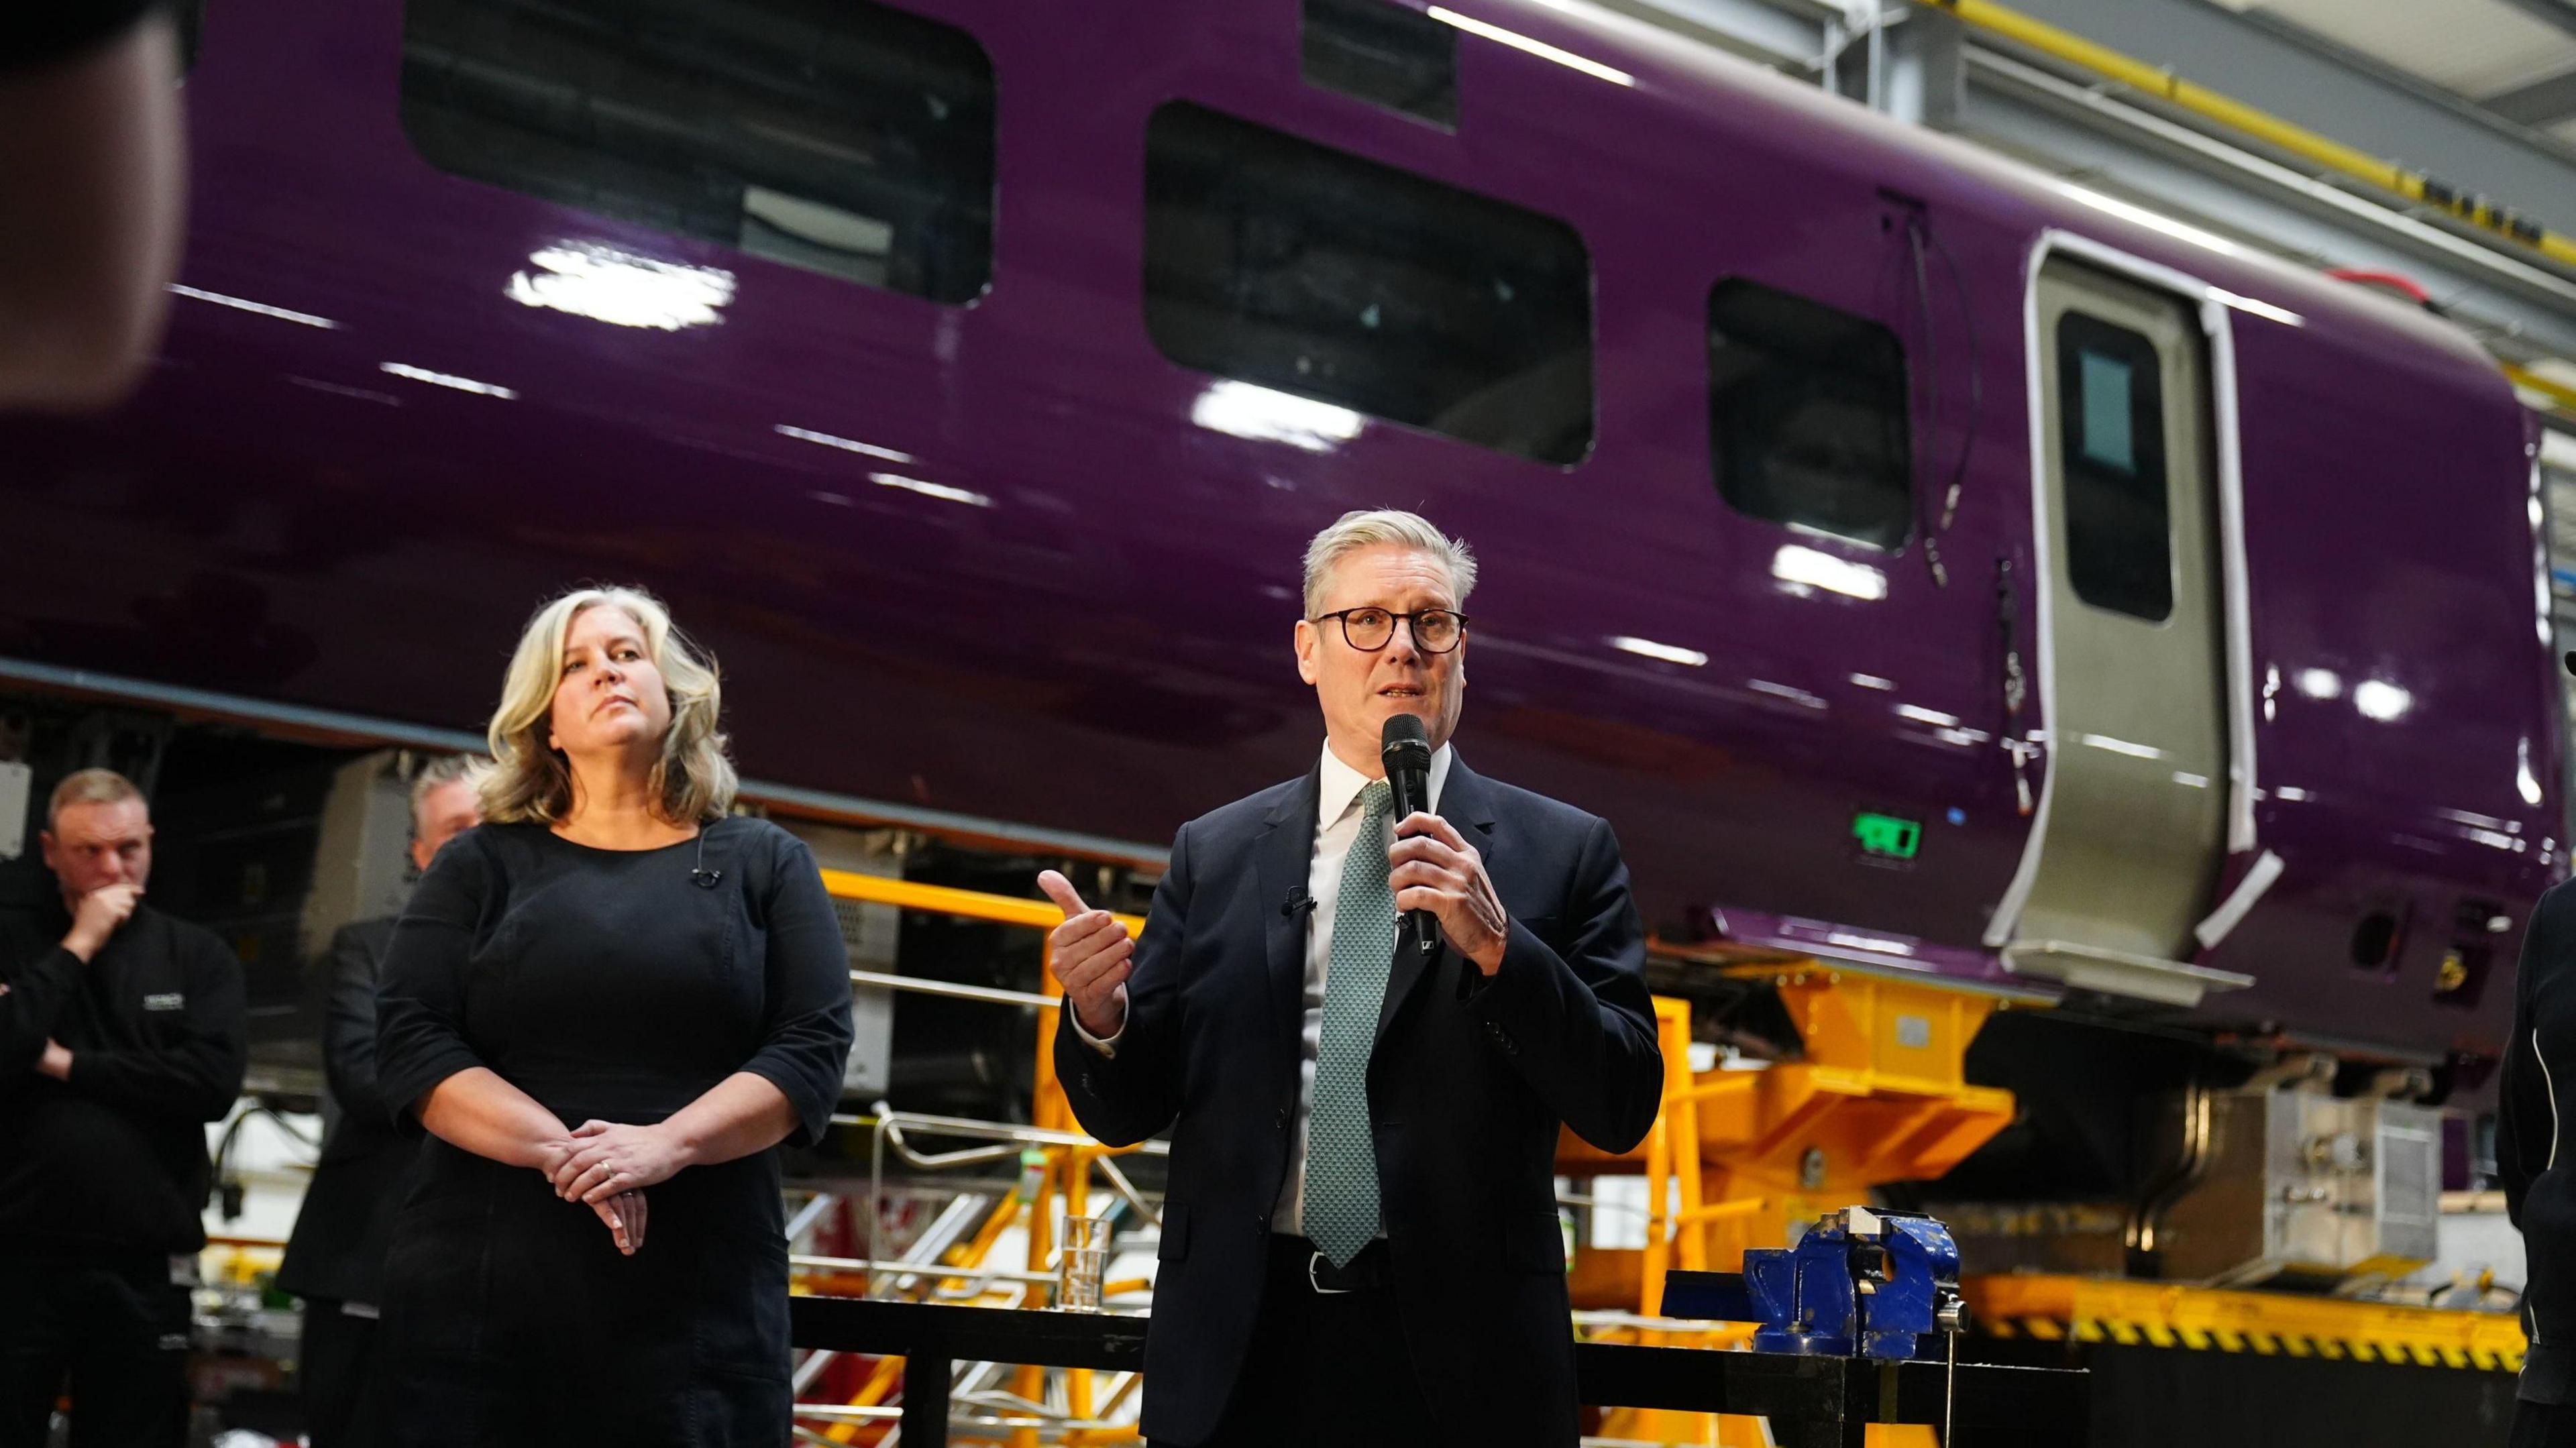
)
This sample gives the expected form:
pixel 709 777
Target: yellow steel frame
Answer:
pixel 1737 1159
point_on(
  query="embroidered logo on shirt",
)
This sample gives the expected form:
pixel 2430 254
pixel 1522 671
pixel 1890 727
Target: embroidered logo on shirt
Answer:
pixel 167 1001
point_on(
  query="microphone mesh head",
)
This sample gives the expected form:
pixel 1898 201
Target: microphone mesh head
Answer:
pixel 1404 732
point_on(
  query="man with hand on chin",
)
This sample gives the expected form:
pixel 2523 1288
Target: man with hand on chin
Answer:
pixel 1360 1240
pixel 122 1033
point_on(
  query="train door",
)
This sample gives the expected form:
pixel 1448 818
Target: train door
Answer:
pixel 2130 831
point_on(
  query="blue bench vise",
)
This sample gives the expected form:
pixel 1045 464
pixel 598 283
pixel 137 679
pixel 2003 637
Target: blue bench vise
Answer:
pixel 1861 1283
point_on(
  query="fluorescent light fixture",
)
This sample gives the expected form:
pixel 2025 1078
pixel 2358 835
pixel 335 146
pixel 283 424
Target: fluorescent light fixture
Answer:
pixel 1796 564
pixel 262 309
pixel 2378 699
pixel 2524 779
pixel 441 379
pixel 2290 792
pixel 622 289
pixel 2191 781
pixel 1667 652
pixel 864 449
pixel 2153 220
pixel 2320 683
pixel 1539 48
pixel 940 491
pixel 1961 737
pixel 2122 746
pixel 362 394
pixel 1240 409
pixel 2257 308
pixel 1874 944
pixel 1796 696
pixel 1873 681
pixel 1921 715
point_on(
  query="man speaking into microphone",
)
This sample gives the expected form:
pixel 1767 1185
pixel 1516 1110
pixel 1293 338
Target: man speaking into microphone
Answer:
pixel 1360 1240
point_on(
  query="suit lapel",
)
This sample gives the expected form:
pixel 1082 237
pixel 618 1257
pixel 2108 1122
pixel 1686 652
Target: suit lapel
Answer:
pixel 1286 851
pixel 1466 803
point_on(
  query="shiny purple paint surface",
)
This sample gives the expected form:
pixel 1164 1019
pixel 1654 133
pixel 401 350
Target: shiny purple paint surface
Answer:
pixel 1105 648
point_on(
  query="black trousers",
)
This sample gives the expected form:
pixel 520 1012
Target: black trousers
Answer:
pixel 1326 1370
pixel 115 1327
pixel 336 1368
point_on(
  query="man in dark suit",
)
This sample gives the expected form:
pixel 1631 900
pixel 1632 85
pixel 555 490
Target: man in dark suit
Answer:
pixel 336 1259
pixel 1360 1240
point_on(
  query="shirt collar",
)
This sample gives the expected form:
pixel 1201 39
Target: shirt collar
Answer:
pixel 1338 784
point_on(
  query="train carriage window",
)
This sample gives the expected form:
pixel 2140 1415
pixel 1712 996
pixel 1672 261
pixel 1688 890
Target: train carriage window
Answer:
pixel 1310 271
pixel 840 136
pixel 2119 537
pixel 1807 415
pixel 1384 54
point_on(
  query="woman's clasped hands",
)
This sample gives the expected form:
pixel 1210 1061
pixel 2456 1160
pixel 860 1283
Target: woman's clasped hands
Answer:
pixel 606 1167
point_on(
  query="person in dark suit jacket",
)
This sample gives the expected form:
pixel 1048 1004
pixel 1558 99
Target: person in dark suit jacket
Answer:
pixel 1360 1239
pixel 336 1259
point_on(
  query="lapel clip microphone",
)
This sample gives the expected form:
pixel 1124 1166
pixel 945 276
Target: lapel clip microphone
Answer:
pixel 1297 903
pixel 699 874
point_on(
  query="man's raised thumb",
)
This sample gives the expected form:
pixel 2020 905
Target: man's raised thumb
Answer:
pixel 1060 890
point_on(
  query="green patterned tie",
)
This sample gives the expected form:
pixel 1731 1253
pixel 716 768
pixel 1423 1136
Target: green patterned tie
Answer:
pixel 1341 1159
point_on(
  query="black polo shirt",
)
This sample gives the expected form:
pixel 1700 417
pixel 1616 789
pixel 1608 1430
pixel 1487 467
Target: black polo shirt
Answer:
pixel 114 1158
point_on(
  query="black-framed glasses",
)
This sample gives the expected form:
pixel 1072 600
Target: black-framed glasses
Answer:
pixel 1435 630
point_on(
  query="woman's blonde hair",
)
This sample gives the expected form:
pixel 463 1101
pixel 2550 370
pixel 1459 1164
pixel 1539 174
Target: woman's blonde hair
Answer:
pixel 529 779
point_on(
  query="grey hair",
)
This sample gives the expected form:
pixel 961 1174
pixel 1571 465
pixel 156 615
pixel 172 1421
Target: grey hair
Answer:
pixel 445 770
pixel 88 786
pixel 1377 527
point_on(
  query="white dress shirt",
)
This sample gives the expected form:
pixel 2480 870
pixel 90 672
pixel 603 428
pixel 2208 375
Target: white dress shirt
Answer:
pixel 1337 828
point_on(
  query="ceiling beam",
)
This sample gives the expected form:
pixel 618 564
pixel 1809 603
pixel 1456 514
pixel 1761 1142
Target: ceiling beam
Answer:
pixel 2541 103
pixel 2555 12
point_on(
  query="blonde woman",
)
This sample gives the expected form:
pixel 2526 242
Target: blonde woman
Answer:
pixel 607 1005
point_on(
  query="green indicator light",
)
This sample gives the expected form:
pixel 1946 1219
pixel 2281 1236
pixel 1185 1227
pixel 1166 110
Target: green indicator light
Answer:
pixel 1887 835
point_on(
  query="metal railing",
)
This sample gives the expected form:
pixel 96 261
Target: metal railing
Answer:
pixel 949 1263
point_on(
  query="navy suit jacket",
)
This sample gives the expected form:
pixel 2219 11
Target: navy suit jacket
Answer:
pixel 1470 1080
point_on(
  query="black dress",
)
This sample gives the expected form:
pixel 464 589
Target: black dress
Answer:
pixel 617 985
pixel 2539 1093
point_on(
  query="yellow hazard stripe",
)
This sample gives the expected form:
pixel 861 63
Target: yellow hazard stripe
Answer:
pixel 2204 1320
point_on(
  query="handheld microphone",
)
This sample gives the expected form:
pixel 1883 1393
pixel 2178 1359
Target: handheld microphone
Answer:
pixel 1405 749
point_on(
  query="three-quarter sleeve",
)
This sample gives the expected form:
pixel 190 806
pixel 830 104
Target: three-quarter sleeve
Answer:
pixel 805 1017
pixel 420 1007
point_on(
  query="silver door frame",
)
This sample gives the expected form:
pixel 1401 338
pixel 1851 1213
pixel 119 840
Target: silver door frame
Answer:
pixel 2213 305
